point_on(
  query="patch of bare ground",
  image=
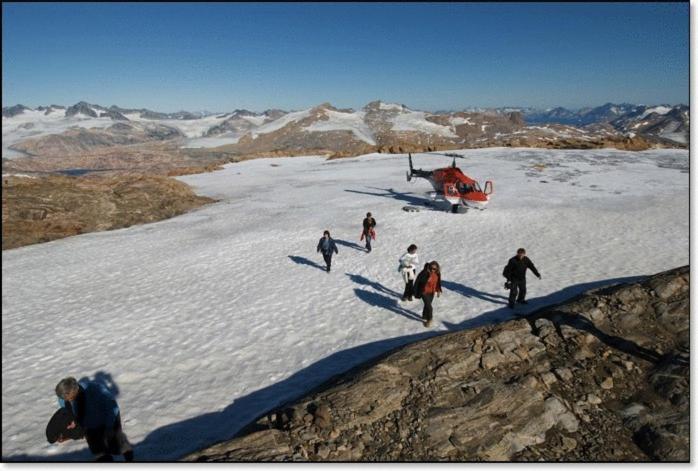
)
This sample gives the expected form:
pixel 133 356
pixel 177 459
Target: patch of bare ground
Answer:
pixel 46 208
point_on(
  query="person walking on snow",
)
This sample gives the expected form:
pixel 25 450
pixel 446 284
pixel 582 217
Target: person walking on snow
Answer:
pixel 408 269
pixel 428 284
pixel 515 273
pixel 97 412
pixel 368 231
pixel 327 247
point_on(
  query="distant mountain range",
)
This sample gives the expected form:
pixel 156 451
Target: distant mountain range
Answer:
pixel 56 131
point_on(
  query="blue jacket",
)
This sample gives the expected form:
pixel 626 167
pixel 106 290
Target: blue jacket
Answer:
pixel 95 407
pixel 327 247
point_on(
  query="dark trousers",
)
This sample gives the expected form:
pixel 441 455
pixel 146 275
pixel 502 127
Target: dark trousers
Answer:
pixel 517 287
pixel 428 310
pixel 328 259
pixel 108 441
pixel 409 289
pixel 368 241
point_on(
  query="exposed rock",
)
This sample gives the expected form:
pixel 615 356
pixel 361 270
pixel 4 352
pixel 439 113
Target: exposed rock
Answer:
pixel 513 391
pixel 43 209
pixel 11 111
pixel 82 108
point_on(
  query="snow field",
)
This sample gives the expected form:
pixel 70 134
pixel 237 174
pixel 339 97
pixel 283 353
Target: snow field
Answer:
pixel 209 319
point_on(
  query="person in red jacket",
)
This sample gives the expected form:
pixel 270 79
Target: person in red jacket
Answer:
pixel 428 284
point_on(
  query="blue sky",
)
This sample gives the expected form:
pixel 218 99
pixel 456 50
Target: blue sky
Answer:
pixel 431 56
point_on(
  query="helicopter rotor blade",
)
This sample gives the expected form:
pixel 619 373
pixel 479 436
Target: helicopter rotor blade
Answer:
pixel 447 154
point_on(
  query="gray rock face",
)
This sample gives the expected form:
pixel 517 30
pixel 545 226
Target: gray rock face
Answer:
pixel 603 377
pixel 115 115
pixel 11 111
pixel 82 108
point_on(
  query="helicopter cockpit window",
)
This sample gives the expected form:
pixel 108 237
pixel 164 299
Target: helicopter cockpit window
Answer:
pixel 464 188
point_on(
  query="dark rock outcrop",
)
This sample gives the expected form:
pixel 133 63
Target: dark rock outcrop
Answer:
pixel 11 111
pixel 82 108
pixel 602 377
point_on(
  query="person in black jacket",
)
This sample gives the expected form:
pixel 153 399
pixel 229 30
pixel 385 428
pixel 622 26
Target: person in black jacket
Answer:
pixel 515 273
pixel 327 247
pixel 96 412
pixel 368 233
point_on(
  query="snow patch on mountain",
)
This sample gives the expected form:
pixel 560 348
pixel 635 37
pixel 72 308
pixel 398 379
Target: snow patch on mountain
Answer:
pixel 657 109
pixel 390 106
pixel 416 121
pixel 35 123
pixel 457 121
pixel 281 122
pixel 192 128
pixel 339 121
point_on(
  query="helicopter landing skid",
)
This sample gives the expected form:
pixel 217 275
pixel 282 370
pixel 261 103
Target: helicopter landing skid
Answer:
pixel 411 209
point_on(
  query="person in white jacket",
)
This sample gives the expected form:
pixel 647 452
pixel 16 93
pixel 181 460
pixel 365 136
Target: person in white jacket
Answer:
pixel 408 269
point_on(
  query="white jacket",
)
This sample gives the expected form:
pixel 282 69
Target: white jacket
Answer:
pixel 408 266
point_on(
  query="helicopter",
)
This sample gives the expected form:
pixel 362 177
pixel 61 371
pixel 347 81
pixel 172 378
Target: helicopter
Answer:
pixel 453 186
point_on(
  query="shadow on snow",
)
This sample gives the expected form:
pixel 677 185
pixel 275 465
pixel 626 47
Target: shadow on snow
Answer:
pixel 177 439
pixel 351 245
pixel 408 198
pixel 305 261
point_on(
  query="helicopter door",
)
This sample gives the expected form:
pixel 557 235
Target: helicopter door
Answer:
pixel 489 187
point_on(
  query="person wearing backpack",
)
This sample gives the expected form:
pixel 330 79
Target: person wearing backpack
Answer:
pixel 428 284
pixel 327 247
pixel 515 273
pixel 408 269
pixel 96 412
pixel 368 230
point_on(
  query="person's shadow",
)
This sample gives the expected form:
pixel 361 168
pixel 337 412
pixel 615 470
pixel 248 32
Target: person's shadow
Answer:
pixel 351 245
pixel 360 280
pixel 469 292
pixel 379 300
pixel 305 261
pixel 580 322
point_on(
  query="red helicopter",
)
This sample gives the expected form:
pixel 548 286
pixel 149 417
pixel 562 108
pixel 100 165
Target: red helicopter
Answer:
pixel 453 186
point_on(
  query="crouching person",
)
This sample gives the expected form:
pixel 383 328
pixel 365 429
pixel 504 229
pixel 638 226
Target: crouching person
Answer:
pixel 97 413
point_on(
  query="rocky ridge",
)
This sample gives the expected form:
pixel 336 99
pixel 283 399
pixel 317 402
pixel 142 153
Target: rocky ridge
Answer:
pixel 602 377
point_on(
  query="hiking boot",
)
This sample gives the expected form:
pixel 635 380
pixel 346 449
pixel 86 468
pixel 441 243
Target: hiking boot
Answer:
pixel 410 299
pixel 427 324
pixel 404 299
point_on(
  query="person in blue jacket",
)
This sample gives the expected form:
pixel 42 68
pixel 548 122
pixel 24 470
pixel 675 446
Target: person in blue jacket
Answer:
pixel 97 412
pixel 327 247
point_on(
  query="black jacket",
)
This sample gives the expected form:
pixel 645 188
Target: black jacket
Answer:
pixel 421 281
pixel 369 223
pixel 332 246
pixel 516 269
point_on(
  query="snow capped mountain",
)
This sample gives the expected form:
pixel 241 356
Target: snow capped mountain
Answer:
pixel 654 122
pixel 663 122
pixel 582 117
pixel 378 126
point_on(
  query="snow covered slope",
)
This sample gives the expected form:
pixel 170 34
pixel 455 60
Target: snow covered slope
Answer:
pixel 206 320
